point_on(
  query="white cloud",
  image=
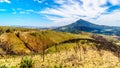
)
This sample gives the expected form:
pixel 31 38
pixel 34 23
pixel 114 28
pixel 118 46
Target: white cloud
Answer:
pixel 30 11
pixel 39 1
pixel 60 1
pixel 109 19
pixel 71 10
pixel 7 1
pixel 3 10
pixel 14 12
pixel 115 2
pixel 22 11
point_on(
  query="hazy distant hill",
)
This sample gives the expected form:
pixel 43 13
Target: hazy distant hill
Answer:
pixel 82 25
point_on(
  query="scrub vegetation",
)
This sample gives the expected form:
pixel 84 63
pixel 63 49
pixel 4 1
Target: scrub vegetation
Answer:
pixel 33 48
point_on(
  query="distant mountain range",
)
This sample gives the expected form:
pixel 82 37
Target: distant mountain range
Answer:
pixel 82 25
pixel 36 27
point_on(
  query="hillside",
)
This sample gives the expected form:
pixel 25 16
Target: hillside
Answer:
pixel 82 25
pixel 27 41
pixel 52 49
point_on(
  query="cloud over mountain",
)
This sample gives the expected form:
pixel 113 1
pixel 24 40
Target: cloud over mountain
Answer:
pixel 68 11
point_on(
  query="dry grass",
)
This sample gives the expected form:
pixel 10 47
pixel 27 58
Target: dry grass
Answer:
pixel 72 58
pixel 78 54
pixel 33 41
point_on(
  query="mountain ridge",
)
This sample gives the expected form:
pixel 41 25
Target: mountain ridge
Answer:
pixel 83 25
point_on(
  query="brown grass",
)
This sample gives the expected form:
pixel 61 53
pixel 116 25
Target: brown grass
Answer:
pixel 74 57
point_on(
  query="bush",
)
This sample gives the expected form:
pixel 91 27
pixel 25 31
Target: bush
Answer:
pixel 3 66
pixel 26 63
pixel 13 67
pixel 55 66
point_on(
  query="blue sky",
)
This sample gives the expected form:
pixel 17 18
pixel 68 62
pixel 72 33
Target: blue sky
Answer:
pixel 58 12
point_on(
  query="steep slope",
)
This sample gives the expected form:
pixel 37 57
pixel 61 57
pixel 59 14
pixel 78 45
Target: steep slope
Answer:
pixel 82 25
pixel 27 42
pixel 11 44
pixel 38 40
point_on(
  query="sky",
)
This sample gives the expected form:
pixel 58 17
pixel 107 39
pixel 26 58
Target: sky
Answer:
pixel 58 12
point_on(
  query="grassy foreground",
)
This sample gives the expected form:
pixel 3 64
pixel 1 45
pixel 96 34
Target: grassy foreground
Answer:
pixel 70 60
pixel 68 55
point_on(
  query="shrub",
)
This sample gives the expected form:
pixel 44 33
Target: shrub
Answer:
pixel 13 67
pixel 8 30
pixel 26 63
pixel 3 66
pixel 55 66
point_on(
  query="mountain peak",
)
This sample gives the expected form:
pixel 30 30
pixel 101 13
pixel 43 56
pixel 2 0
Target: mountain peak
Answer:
pixel 82 22
pixel 83 25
